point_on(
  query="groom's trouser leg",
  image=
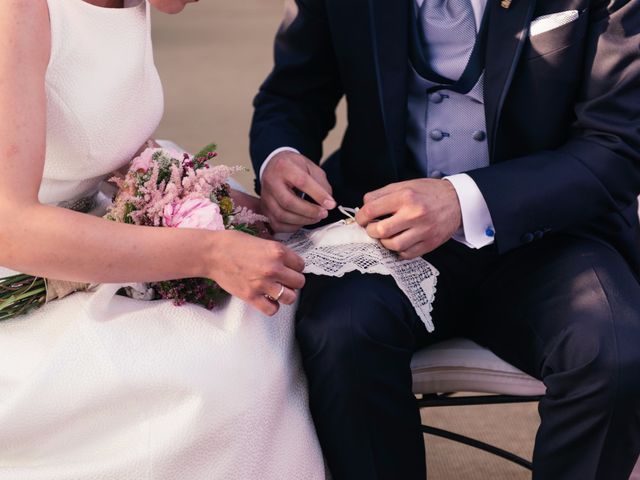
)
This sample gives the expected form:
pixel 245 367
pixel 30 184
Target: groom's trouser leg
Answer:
pixel 357 335
pixel 568 311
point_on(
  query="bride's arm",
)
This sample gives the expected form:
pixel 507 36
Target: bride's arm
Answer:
pixel 57 243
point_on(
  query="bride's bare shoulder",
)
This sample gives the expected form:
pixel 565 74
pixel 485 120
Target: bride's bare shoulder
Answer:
pixel 26 29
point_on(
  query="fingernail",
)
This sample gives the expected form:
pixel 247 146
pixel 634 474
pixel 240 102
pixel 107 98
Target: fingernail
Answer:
pixel 329 204
pixel 324 214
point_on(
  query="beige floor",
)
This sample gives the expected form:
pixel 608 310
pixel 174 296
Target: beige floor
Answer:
pixel 212 59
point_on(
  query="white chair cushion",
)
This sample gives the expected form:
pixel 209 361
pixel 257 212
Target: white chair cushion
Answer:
pixel 460 365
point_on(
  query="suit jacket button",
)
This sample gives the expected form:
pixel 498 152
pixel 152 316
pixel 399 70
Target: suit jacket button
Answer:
pixel 527 238
pixel 539 234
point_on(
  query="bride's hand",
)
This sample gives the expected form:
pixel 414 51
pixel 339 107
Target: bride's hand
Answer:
pixel 252 268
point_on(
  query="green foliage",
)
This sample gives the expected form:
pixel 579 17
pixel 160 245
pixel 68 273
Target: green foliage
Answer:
pixel 244 228
pixel 164 168
pixel 129 208
pixel 211 148
pixel 21 294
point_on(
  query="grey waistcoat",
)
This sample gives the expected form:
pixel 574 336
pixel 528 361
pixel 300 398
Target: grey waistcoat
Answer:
pixel 446 130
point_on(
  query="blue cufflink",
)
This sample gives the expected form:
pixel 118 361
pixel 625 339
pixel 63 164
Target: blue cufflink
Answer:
pixel 489 232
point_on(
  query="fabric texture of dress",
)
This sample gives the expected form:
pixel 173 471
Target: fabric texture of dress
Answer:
pixel 100 386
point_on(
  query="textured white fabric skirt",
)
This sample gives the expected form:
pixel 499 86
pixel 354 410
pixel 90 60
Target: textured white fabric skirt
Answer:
pixel 99 386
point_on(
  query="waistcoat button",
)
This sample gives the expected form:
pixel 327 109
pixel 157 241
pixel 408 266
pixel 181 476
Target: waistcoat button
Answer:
pixel 436 97
pixel 436 135
pixel 479 135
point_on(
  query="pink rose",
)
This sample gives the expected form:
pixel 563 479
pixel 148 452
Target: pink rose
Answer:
pixel 195 213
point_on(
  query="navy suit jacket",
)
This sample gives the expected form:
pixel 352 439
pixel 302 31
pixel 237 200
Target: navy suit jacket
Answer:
pixel 562 109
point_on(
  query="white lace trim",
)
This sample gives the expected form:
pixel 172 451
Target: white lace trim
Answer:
pixel 345 247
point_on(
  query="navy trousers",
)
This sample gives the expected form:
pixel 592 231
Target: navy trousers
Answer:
pixel 564 309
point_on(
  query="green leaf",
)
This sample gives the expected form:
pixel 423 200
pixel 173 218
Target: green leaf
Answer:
pixel 19 278
pixel 18 298
pixel 211 148
pixel 245 229
pixel 129 208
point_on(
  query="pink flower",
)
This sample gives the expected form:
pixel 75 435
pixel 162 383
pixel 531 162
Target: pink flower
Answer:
pixel 143 162
pixel 198 213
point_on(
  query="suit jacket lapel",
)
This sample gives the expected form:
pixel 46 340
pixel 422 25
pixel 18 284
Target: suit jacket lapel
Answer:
pixel 508 28
pixel 389 31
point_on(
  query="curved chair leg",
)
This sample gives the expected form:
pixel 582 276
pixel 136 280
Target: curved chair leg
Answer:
pixel 472 442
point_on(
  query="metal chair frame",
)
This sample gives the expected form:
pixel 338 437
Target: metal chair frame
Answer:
pixel 446 400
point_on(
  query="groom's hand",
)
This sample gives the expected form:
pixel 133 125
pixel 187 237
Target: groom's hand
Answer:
pixel 287 175
pixel 412 218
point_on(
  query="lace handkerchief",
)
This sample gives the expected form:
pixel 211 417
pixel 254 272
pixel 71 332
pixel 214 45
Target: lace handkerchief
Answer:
pixel 345 246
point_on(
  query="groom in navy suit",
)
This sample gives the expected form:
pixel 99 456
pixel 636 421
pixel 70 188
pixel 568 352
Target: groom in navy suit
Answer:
pixel 499 139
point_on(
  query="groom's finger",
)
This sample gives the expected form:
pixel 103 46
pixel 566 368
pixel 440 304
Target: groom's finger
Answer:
pixel 288 218
pixel 284 221
pixel 387 205
pixel 283 227
pixel 310 186
pixel 404 241
pixel 388 227
pixel 320 176
pixel 290 202
pixel 417 250
pixel 381 192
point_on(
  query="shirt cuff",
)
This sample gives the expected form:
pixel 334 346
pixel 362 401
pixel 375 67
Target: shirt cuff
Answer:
pixel 477 226
pixel 273 154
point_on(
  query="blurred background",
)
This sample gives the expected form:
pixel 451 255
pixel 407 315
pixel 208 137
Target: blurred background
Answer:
pixel 212 59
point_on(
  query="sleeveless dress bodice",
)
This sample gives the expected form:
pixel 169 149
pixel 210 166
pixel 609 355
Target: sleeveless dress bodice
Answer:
pixel 104 96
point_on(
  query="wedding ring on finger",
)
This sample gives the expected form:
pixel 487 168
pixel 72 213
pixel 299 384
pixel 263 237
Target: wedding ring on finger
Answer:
pixel 277 297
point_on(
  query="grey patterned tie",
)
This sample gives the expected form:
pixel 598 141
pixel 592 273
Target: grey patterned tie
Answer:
pixel 449 29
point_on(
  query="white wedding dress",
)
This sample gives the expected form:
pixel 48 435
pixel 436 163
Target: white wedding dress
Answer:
pixel 99 386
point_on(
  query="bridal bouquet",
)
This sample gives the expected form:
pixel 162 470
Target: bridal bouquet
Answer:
pixel 162 188
pixel 165 189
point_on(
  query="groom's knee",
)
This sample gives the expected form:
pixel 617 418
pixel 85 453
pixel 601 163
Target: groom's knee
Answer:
pixel 345 319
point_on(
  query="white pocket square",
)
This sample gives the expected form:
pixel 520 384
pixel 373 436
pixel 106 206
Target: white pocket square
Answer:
pixel 549 22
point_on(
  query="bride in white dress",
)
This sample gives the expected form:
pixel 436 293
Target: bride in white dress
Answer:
pixel 99 386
